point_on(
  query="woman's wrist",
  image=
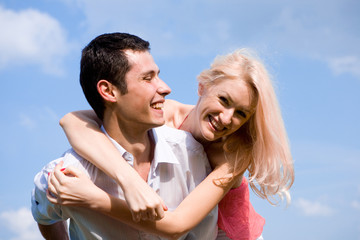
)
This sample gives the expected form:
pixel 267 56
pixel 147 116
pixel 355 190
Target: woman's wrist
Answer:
pixel 99 201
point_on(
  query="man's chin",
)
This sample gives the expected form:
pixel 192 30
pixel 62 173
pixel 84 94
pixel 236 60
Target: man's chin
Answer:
pixel 158 123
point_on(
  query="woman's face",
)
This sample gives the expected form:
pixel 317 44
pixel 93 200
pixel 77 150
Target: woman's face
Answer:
pixel 223 107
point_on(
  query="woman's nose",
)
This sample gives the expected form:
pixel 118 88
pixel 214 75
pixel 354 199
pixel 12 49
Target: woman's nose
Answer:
pixel 226 116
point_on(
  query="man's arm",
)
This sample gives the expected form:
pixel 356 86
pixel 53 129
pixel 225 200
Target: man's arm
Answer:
pixel 56 231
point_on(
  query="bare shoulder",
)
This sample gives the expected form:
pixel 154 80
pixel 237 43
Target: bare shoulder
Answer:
pixel 175 112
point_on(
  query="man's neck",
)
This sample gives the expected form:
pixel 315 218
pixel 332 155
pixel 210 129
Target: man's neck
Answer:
pixel 137 141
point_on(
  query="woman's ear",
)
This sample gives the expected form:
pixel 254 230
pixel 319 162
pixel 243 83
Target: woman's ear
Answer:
pixel 200 89
pixel 106 90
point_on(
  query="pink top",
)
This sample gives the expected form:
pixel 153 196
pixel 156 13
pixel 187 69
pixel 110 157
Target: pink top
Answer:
pixel 237 217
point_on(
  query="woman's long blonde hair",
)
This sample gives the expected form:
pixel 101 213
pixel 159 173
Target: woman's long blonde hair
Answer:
pixel 261 144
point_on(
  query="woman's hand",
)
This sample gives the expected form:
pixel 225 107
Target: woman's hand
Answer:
pixel 82 129
pixel 72 187
pixel 143 201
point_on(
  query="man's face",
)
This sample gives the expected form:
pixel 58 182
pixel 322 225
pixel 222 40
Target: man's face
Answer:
pixel 144 101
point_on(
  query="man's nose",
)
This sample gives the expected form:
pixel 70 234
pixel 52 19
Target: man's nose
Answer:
pixel 163 88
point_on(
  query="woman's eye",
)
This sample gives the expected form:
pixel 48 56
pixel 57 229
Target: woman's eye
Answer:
pixel 241 113
pixel 224 100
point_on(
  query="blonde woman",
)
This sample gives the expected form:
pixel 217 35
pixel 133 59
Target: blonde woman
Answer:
pixel 238 121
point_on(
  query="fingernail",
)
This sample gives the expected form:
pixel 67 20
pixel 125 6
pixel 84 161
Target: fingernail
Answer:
pixel 48 173
pixel 166 208
pixel 62 169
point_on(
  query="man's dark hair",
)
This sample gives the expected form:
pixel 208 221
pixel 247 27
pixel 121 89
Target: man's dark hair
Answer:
pixel 104 58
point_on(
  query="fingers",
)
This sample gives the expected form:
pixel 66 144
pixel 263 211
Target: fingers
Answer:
pixel 150 209
pixel 159 211
pixel 149 214
pixel 165 208
pixel 136 216
pixel 51 198
pixel 143 215
pixel 152 215
pixel 51 192
pixel 59 172
pixel 54 179
pixel 72 171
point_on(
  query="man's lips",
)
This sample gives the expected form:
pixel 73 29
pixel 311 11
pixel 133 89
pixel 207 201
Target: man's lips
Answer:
pixel 158 106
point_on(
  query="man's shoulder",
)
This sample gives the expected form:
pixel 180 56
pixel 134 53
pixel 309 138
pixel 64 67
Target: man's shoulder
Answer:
pixel 69 157
pixel 178 137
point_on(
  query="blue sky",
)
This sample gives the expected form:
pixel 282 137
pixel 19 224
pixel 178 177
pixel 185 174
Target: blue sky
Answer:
pixel 311 48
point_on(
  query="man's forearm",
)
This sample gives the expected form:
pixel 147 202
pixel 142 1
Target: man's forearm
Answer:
pixel 56 231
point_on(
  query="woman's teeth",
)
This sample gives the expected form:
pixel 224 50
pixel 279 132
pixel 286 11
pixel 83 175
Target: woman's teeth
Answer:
pixel 215 124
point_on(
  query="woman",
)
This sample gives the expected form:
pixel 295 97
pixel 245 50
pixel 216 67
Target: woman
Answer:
pixel 237 119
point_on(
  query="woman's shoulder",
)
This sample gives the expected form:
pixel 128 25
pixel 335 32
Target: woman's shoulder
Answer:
pixel 175 112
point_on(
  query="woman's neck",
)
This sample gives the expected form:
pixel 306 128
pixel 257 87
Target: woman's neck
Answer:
pixel 190 124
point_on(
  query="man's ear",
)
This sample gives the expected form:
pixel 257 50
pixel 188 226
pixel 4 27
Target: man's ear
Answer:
pixel 106 90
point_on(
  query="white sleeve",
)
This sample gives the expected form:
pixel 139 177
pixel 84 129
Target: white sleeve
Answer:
pixel 43 211
pixel 199 165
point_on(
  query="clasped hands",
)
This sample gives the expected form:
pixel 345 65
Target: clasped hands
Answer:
pixel 70 186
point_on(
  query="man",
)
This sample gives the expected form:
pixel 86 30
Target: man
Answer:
pixel 120 81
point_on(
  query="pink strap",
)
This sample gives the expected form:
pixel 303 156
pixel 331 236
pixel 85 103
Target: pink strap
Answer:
pixel 183 121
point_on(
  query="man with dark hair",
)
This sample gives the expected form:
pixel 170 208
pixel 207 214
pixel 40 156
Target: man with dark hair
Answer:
pixel 121 82
pixel 105 58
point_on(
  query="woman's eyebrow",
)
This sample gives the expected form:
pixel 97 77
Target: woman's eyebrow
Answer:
pixel 242 107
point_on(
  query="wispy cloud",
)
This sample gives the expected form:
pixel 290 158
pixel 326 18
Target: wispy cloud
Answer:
pixel 297 28
pixel 32 37
pixel 21 223
pixel 27 121
pixel 36 116
pixel 347 64
pixel 313 208
pixel 355 204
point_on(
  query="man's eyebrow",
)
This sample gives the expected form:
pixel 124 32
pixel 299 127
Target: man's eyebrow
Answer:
pixel 151 72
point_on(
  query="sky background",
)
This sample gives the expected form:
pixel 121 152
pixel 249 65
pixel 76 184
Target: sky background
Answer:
pixel 311 48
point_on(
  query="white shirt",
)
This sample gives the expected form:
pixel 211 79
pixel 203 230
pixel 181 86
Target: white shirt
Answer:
pixel 179 165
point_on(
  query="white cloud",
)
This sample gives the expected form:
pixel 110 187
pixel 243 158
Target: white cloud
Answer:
pixel 346 64
pixel 355 204
pixel 313 208
pixel 31 37
pixel 21 223
pixel 27 122
pixel 197 27
pixel 37 116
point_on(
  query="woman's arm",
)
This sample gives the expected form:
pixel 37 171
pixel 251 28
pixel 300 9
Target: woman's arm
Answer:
pixel 82 129
pixel 80 191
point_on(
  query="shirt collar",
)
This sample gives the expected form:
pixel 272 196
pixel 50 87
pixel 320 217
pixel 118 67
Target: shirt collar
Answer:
pixel 162 153
pixel 125 154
